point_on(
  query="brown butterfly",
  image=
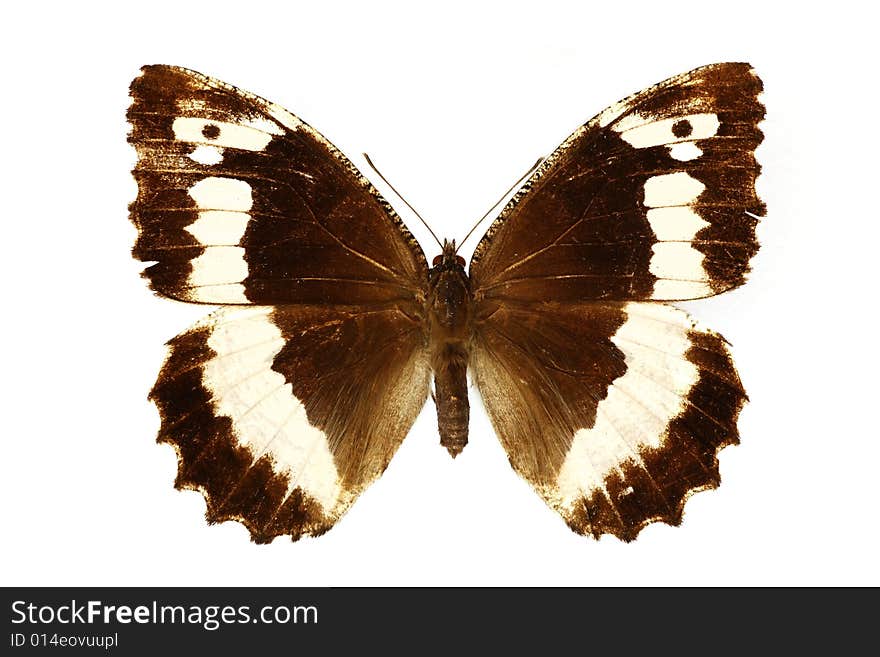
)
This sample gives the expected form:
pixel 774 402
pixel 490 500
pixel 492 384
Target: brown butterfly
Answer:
pixel 285 404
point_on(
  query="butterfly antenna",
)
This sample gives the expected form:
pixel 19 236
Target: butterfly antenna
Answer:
pixel 498 202
pixel 400 196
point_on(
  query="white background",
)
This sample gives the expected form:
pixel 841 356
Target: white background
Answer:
pixel 453 103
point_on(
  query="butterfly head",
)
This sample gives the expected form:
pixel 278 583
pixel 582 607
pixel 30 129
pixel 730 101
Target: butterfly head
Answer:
pixel 448 259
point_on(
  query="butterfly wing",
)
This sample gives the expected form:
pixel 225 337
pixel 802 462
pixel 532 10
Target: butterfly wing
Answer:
pixel 614 409
pixel 241 202
pixel 284 408
pixel 614 412
pixel 281 416
pixel 654 198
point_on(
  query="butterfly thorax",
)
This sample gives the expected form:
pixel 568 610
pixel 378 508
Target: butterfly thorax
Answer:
pixel 450 325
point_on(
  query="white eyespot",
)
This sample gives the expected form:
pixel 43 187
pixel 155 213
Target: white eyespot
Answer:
pixel 676 223
pixel 644 132
pixel 207 155
pixel 677 260
pixel 673 290
pixel 678 188
pixel 218 193
pixel 197 130
pixel 218 265
pixel 219 227
pixel 221 293
pixel 685 151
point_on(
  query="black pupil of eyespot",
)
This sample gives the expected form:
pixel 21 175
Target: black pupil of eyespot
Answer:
pixel 210 131
pixel 682 128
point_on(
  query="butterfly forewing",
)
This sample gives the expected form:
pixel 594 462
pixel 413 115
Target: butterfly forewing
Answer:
pixel 239 201
pixel 652 199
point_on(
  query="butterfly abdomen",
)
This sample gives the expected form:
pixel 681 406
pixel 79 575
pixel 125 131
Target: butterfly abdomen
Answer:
pixel 450 396
pixel 450 313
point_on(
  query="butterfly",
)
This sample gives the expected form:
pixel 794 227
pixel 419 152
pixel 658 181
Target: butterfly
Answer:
pixel 292 398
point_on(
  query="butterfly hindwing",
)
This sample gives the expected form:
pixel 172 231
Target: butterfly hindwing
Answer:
pixel 241 202
pixel 652 199
pixel 282 416
pixel 614 412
